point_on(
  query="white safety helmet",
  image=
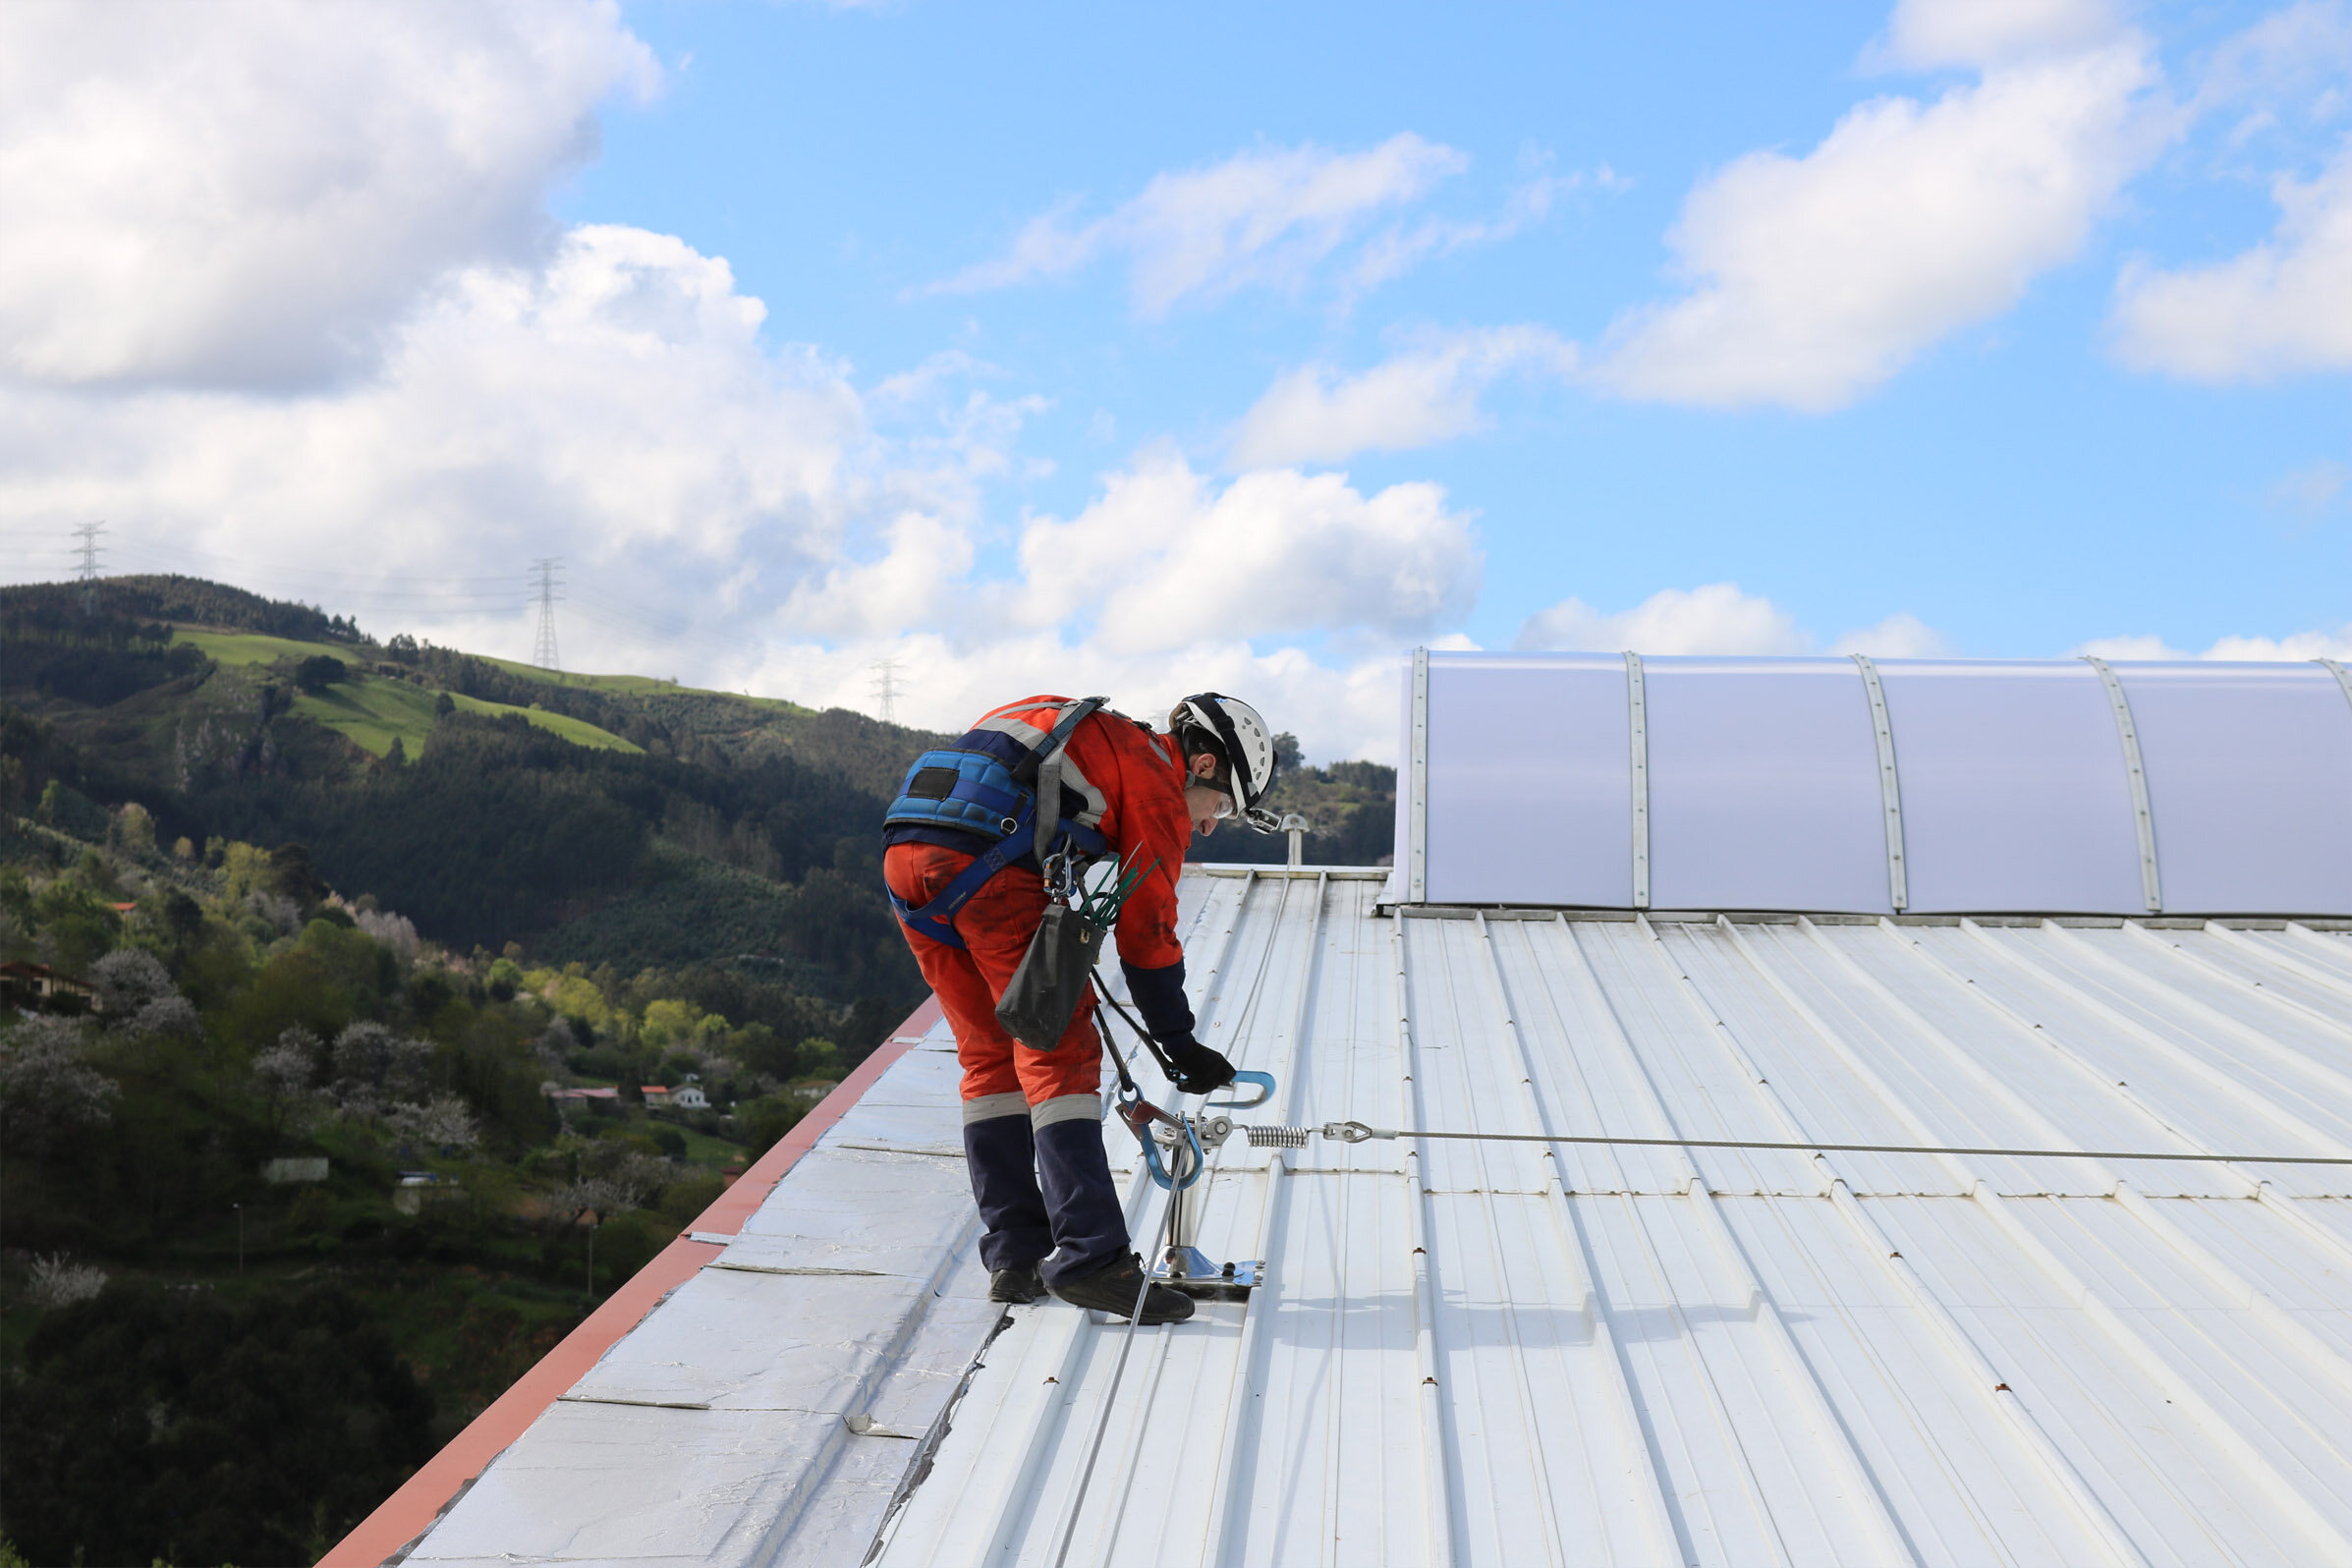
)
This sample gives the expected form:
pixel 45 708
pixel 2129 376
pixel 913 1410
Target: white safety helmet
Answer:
pixel 1248 745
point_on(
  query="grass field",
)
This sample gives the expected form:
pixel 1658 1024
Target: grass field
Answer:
pixel 251 647
pixel 638 684
pixel 372 711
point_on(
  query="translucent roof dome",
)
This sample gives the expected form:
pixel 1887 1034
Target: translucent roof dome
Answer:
pixel 1924 786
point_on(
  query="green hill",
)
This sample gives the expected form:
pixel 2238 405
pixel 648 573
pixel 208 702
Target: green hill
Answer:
pixel 490 802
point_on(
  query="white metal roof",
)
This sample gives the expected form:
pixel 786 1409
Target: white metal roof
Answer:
pixel 1514 1353
pixel 1890 785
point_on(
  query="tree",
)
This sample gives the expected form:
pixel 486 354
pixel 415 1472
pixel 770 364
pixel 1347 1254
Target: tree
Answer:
pixel 133 828
pixel 47 1086
pixel 444 1123
pixel 320 671
pixel 128 979
pixel 376 1068
pixel 147 1428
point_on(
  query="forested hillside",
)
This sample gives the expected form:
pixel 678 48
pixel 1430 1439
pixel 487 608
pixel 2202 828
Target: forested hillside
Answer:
pixel 488 803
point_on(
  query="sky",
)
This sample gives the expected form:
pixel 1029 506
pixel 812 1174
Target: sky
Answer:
pixel 1144 350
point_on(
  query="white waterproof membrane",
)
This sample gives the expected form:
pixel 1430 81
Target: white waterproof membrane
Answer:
pixel 1972 787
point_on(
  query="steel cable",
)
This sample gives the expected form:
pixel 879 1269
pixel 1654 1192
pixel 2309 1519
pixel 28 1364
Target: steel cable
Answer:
pixel 1359 1131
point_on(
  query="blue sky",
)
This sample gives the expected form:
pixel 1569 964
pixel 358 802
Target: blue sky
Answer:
pixel 1138 351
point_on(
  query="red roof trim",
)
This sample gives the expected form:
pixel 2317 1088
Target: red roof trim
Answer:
pixel 408 1512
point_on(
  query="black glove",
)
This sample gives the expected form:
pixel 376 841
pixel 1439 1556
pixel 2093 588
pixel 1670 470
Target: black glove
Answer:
pixel 1194 1069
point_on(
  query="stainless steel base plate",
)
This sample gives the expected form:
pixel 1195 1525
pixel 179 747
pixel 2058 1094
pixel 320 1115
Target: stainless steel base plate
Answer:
pixel 1187 1269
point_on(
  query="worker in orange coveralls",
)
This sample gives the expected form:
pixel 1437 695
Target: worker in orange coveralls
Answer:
pixel 1033 1120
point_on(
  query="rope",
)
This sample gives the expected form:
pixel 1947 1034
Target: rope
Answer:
pixel 1358 1131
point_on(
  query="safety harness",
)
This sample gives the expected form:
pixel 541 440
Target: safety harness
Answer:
pixel 990 787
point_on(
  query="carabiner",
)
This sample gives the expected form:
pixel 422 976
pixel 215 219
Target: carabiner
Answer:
pixel 1263 1082
pixel 1140 1114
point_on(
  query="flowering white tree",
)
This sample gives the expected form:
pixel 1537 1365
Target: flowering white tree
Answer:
pixel 47 1086
pixel 128 979
pixel 443 1122
pixel 58 1281
pixel 625 1180
pixel 287 1071
pixel 396 932
pixel 376 1068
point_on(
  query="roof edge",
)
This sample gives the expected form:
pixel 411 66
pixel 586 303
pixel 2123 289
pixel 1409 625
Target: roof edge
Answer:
pixel 402 1519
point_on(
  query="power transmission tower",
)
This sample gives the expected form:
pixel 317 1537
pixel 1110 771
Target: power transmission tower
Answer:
pixel 885 687
pixel 88 571
pixel 543 650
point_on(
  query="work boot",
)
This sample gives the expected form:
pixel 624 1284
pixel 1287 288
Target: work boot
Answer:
pixel 1017 1286
pixel 1113 1288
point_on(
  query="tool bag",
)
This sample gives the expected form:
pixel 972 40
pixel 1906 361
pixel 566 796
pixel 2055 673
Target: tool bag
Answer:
pixel 1054 979
pixel 1058 968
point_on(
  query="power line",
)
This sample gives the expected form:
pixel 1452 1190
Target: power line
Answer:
pixel 543 650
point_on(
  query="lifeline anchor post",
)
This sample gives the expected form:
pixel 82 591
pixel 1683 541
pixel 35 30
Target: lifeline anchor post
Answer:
pixel 1182 1266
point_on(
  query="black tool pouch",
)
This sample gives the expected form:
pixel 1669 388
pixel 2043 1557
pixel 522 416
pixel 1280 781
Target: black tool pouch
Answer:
pixel 1052 979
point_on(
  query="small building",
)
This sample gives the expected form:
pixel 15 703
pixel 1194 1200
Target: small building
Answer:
pixel 686 1096
pixel 418 1188
pixel 815 1088
pixel 294 1168
pixel 656 1096
pixel 41 988
pixel 575 1096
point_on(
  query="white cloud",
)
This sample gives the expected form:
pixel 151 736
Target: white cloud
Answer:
pixel 2286 69
pixel 2282 307
pixel 614 406
pixel 1901 636
pixel 728 512
pixel 2313 487
pixel 1927 34
pixel 1427 394
pixel 1816 278
pixel 1261 219
pixel 1403 246
pixel 246 192
pixel 1344 711
pixel 1165 559
pixel 2296 646
pixel 1716 618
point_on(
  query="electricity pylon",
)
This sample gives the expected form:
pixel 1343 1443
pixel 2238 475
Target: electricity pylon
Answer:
pixel 543 650
pixel 885 687
pixel 88 571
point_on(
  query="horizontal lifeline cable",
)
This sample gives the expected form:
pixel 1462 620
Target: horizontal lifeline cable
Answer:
pixel 1359 1131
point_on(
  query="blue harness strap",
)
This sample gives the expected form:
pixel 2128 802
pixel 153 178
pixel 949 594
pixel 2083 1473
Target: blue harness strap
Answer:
pixel 937 919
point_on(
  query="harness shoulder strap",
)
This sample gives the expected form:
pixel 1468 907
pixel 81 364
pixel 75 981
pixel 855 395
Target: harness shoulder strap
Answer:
pixel 1049 772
